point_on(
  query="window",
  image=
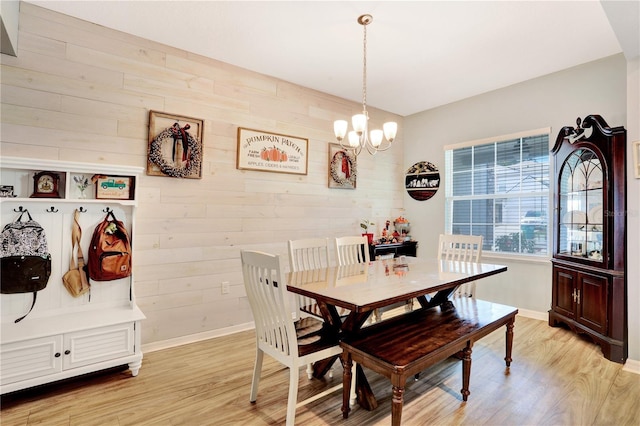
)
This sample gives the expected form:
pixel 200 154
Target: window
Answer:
pixel 500 189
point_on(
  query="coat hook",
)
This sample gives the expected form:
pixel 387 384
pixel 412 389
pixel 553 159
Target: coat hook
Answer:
pixel 82 210
pixel 107 210
pixel 52 209
pixel 20 210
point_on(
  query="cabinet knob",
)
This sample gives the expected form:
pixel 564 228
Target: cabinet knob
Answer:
pixel 67 352
pixel 57 355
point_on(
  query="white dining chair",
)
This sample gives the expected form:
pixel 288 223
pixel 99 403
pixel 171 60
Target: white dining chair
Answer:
pixel 386 256
pixel 304 255
pixel 408 305
pixel 276 331
pixel 309 253
pixel 352 250
pixel 464 248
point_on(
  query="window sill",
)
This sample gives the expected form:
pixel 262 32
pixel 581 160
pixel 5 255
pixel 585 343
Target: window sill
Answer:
pixel 524 258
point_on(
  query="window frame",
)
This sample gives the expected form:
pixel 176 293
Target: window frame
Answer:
pixel 450 198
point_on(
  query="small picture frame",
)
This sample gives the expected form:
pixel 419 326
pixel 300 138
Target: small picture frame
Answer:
pixel 6 191
pixel 114 187
pixel 343 167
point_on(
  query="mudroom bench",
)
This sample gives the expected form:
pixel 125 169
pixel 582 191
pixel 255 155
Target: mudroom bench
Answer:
pixel 403 346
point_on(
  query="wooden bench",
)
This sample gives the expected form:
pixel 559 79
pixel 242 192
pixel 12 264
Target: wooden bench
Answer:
pixel 403 346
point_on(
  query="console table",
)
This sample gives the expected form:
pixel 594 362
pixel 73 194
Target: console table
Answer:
pixel 407 248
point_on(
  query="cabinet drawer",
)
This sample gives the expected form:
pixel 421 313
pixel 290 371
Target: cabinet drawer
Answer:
pixel 98 344
pixel 29 359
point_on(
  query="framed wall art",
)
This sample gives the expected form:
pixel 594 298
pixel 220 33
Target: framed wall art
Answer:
pixel 271 152
pixel 422 181
pixel 343 167
pixel 114 187
pixel 175 146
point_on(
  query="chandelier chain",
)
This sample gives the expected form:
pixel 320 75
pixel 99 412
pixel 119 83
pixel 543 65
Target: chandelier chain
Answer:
pixel 364 71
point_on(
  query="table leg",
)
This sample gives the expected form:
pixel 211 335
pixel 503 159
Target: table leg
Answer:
pixel 322 367
pixel 466 371
pixel 366 398
pixel 354 321
pixel 346 383
pixel 509 342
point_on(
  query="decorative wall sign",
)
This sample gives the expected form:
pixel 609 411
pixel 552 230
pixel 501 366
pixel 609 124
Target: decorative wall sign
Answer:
pixel 271 152
pixel 114 187
pixel 422 181
pixel 175 146
pixel 343 168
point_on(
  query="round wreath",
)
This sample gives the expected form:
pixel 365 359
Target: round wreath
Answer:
pixel 336 162
pixel 193 146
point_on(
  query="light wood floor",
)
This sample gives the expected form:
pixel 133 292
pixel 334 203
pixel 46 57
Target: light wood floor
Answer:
pixel 556 378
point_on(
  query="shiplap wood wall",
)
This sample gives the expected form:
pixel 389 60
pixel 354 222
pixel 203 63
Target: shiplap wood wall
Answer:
pixel 81 92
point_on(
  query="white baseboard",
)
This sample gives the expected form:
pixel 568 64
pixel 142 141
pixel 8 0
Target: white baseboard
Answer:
pixel 542 316
pixel 192 338
pixel 632 366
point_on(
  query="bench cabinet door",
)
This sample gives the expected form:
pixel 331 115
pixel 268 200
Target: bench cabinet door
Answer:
pixel 31 358
pixel 98 344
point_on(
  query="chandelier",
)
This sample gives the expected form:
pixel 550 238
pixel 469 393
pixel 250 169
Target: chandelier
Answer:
pixel 360 137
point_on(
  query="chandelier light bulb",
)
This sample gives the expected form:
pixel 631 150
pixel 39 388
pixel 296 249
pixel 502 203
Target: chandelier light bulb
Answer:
pixel 376 137
pixel 359 122
pixel 340 129
pixel 390 130
pixel 354 139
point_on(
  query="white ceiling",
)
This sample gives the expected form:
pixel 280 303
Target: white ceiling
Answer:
pixel 421 54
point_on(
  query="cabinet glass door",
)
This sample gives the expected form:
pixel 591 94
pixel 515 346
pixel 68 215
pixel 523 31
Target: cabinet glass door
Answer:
pixel 581 227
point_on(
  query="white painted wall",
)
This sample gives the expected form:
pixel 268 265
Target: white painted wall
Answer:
pixel 78 91
pixel 553 101
pixel 633 210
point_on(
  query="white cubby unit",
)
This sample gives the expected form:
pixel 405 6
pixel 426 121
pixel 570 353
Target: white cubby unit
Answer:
pixel 64 336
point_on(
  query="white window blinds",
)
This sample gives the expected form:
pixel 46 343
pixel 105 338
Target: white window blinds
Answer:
pixel 500 189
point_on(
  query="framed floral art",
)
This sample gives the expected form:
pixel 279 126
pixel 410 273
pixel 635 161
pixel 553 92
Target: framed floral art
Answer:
pixel 175 146
pixel 343 167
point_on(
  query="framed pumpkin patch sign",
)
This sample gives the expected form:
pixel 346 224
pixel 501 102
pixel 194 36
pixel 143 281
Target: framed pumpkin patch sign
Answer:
pixel 343 167
pixel 175 146
pixel 271 152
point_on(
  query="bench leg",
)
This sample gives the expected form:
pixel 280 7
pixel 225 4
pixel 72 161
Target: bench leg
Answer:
pixel 509 342
pixel 466 371
pixel 346 383
pixel 396 405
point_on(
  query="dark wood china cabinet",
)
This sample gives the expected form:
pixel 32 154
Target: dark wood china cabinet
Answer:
pixel 589 234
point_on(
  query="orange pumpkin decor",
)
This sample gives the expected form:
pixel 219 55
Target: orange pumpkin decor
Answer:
pixel 273 154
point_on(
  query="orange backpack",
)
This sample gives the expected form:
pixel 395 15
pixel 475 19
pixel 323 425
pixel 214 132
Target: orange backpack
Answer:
pixel 110 251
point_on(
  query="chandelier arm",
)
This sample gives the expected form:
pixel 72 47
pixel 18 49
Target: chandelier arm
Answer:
pixel 389 144
pixel 349 148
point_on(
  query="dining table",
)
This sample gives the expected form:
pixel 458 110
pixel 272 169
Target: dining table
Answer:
pixel 348 295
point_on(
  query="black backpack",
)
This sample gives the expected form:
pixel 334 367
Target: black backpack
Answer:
pixel 25 259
